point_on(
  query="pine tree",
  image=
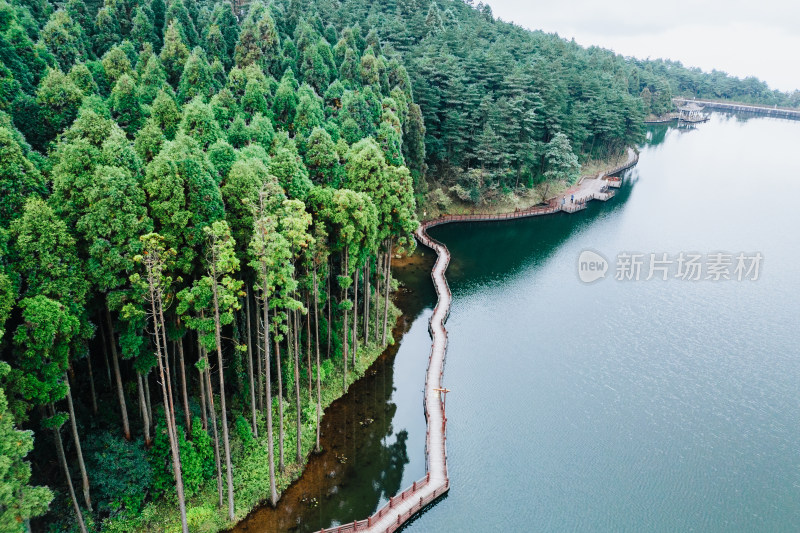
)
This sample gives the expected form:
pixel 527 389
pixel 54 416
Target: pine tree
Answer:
pixel 259 42
pixel 155 285
pixel 43 344
pixel 126 106
pixel 19 178
pixel 64 39
pixel 19 502
pixel 59 100
pixel 174 54
pixel 196 79
pixel 217 294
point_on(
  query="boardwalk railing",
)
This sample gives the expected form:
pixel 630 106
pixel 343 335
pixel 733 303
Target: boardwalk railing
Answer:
pixel 782 112
pixel 631 162
pixel 436 482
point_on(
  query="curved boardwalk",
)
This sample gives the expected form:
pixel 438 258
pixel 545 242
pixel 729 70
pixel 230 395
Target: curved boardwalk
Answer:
pixel 420 494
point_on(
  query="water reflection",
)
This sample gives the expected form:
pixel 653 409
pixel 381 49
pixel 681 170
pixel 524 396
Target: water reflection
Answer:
pixel 365 439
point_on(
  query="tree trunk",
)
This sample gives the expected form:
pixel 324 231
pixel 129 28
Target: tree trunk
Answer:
pixel 184 392
pixel 62 458
pixel 146 379
pixel 168 371
pixel 74 425
pixel 203 413
pixel 105 356
pixel 250 365
pixel 91 383
pixel 378 274
pixel 366 300
pixel 280 401
pixel 345 325
pixel 316 337
pixel 143 408
pixel 273 492
pixel 126 429
pixel 355 316
pixel 329 304
pixel 308 345
pixel 259 358
pixel 213 413
pixel 298 404
pixel 225 440
pixel 158 318
pixel 388 285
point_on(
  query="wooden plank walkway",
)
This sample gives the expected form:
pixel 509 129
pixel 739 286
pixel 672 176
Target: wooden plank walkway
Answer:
pixel 436 482
pixel 781 112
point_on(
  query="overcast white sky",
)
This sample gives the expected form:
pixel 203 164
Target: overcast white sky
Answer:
pixel 743 38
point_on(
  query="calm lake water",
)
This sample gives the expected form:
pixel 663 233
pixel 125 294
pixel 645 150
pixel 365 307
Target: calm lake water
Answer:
pixel 616 406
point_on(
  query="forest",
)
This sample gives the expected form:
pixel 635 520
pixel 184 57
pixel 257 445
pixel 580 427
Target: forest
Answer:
pixel 201 203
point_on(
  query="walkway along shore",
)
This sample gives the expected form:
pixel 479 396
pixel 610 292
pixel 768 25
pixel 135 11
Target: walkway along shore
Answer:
pixel 436 482
pixel 780 112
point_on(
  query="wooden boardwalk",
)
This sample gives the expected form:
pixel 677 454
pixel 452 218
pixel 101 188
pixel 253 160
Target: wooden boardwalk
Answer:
pixel 436 482
pixel 780 112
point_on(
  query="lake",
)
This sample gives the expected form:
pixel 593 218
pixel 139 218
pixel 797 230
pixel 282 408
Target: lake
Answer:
pixel 624 405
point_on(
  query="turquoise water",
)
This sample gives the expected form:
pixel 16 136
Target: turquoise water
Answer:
pixel 633 406
pixel 615 406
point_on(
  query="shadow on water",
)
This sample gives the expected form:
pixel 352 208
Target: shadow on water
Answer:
pixel 508 246
pixel 363 456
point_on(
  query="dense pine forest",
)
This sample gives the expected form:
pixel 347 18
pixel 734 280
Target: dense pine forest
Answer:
pixel 201 202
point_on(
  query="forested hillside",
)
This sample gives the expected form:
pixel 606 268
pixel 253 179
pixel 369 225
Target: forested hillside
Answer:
pixel 199 205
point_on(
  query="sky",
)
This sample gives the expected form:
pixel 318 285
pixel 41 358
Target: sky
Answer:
pixel 743 38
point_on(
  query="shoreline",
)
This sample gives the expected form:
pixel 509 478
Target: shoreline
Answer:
pixel 431 487
pixel 436 483
pixel 511 203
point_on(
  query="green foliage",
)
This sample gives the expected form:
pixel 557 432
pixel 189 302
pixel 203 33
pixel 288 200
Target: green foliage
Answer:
pixel 441 85
pixel 199 298
pixel 322 160
pixel 115 219
pixel 64 39
pixel 262 131
pixel 240 192
pixel 164 113
pixel 126 106
pixel 196 78
pixel 116 63
pixel 287 166
pixel 81 76
pixel 198 122
pixel 58 99
pixel 42 341
pixel 19 179
pixel 245 433
pixel 18 500
pixel 259 42
pixel 152 79
pixel 222 155
pixel 203 447
pixel 284 105
pixel 143 30
pixel 562 164
pixel 46 256
pixel 174 54
pixel 238 132
pixel 120 474
pixel 183 197
pixel 149 141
